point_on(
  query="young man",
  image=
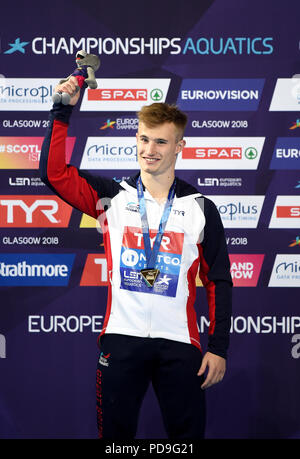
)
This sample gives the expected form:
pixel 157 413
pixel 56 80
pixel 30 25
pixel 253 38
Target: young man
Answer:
pixel 158 232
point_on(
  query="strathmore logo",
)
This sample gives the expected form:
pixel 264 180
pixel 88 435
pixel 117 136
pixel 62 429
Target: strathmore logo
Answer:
pixel 239 211
pixel 21 211
pixel 29 269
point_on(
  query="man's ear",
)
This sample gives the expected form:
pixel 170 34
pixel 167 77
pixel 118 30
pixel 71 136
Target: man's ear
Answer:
pixel 180 145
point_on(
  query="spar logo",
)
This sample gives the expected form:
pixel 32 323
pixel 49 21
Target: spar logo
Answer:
pixel 118 94
pixel 109 153
pixel 220 94
pixel 286 271
pixel 239 211
pixel 125 94
pixel 286 212
pixel 95 271
pixel 221 153
pixel 245 269
pixel 35 269
pixel 33 211
pixel 286 96
pixel 26 94
pixel 24 152
pixel 286 153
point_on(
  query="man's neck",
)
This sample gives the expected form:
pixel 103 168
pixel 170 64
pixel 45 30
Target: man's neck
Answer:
pixel 158 186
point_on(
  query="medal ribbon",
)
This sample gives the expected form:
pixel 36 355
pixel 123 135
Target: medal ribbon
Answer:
pixel 151 255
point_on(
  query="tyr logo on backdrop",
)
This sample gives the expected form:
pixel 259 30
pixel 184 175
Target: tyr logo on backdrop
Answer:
pixel 22 211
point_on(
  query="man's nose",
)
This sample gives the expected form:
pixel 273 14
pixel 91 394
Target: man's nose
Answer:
pixel 151 147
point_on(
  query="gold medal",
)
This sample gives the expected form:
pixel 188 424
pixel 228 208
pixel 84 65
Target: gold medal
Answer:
pixel 149 276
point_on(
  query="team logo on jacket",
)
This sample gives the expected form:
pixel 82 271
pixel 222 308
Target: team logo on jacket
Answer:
pixel 133 259
pixel 103 360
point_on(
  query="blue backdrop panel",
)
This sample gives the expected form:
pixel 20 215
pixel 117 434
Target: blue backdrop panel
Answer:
pixel 232 66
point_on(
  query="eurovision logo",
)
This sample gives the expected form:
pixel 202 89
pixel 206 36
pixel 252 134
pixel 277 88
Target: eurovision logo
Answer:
pixel 221 153
pixel 125 94
pixel 286 153
pixel 286 212
pixel 286 271
pixel 220 94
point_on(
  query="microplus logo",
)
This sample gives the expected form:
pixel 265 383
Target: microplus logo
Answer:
pixel 109 153
pixel 239 211
pixel 286 153
pixel 220 94
pixel 286 271
pixel 26 94
pixel 35 269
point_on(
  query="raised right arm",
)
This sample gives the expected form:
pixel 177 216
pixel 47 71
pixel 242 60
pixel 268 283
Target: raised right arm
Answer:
pixel 79 189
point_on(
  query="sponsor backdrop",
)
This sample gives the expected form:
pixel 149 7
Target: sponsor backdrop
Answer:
pixel 233 67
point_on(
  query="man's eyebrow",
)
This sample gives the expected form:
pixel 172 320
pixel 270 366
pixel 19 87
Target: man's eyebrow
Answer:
pixel 156 140
pixel 161 140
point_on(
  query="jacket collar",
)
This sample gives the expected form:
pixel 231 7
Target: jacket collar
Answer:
pixel 183 188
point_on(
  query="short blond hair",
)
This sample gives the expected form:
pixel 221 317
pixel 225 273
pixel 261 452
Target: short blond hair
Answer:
pixel 159 113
